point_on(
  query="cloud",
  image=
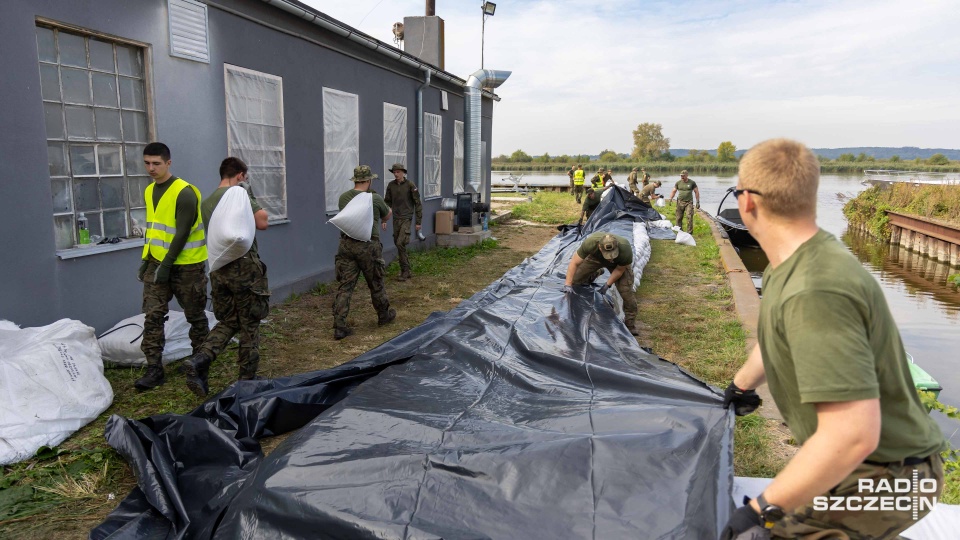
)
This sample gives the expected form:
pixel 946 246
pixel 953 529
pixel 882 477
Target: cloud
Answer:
pixel 837 73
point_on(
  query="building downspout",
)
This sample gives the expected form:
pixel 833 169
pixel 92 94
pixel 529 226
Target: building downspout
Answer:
pixel 473 92
pixel 420 90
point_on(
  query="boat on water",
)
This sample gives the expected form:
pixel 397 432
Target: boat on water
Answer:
pixel 923 380
pixel 732 225
pixel 885 177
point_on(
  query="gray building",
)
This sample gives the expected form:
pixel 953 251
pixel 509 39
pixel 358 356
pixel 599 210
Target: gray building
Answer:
pixel 301 97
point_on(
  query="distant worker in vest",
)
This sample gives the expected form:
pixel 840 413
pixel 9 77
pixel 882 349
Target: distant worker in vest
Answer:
pixel 241 294
pixel 356 257
pixel 571 173
pixel 578 180
pixel 632 182
pixel 648 193
pixel 404 201
pixel 173 261
pixel 597 181
pixel 684 190
pixel 830 352
pixel 645 177
pixel 604 251
pixel 590 203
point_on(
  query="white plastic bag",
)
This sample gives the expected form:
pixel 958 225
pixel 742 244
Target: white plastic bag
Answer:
pixel 685 238
pixel 51 384
pixel 232 228
pixel 660 203
pixel 356 218
pixel 121 343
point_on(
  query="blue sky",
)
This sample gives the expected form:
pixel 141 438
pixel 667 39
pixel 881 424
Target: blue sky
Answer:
pixel 829 73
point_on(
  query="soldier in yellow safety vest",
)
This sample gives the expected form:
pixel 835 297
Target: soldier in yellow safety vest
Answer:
pixel 173 262
pixel 578 179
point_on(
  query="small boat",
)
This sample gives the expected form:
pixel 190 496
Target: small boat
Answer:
pixel 886 177
pixel 732 225
pixel 923 380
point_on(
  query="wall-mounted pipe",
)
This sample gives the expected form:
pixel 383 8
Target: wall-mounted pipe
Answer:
pixel 473 94
pixel 420 90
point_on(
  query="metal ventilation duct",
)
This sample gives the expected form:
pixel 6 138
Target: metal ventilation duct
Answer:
pixel 473 90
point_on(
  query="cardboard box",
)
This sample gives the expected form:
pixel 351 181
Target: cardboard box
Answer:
pixel 444 222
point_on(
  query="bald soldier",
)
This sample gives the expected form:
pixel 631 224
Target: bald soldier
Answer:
pixel 604 251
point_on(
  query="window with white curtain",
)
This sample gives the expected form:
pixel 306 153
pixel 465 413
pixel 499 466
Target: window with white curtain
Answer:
pixel 255 134
pixel 432 137
pixel 394 137
pixel 341 143
pixel 458 156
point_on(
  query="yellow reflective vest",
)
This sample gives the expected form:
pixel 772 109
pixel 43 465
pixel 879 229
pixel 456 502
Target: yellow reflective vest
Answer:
pixel 162 226
pixel 578 177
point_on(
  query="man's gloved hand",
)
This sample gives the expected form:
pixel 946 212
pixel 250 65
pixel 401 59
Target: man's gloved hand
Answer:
pixel 744 401
pixel 604 289
pixel 142 270
pixel 567 289
pixel 698 205
pixel 744 520
pixel 162 275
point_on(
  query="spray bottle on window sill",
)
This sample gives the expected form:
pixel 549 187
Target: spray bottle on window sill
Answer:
pixel 83 230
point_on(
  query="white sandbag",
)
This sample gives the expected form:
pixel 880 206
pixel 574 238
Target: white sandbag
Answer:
pixel 51 385
pixel 8 325
pixel 660 203
pixel 685 238
pixel 232 228
pixel 356 218
pixel 661 224
pixel 121 343
pixel 641 252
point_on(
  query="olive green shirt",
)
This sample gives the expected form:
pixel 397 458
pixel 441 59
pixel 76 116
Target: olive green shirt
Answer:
pixel 591 247
pixel 380 209
pixel 685 190
pixel 632 178
pixel 404 200
pixel 646 191
pixel 827 335
pixel 591 204
pixel 210 203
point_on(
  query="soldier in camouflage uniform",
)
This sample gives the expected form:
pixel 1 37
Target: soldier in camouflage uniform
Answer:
pixel 831 354
pixel 355 257
pixel 173 262
pixel 645 177
pixel 597 180
pixel 241 295
pixel 604 251
pixel 404 201
pixel 570 173
pixel 685 189
pixel 632 182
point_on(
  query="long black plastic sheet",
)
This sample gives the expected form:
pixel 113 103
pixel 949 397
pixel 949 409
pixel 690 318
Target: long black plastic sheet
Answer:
pixel 522 413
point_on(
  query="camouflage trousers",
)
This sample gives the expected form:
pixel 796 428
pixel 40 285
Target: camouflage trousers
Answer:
pixel 810 524
pixel 241 298
pixel 572 187
pixel 353 259
pixel 685 208
pixel 401 237
pixel 188 284
pixel 634 189
pixel 591 268
pixel 578 193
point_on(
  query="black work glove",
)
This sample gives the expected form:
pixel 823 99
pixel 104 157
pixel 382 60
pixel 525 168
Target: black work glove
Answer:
pixel 744 401
pixel 162 275
pixel 142 270
pixel 567 289
pixel 744 520
pixel 604 289
pixel 698 205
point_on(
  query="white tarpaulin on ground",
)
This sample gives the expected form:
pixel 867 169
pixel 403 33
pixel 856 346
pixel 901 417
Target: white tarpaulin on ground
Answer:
pixel 121 344
pixel 51 385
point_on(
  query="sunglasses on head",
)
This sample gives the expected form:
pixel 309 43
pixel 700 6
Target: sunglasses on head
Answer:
pixel 738 192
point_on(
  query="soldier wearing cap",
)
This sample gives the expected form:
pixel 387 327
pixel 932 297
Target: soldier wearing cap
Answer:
pixel 404 201
pixel 645 177
pixel 597 180
pixel 685 189
pixel 632 181
pixel 647 193
pixel 604 251
pixel 355 257
pixel 578 179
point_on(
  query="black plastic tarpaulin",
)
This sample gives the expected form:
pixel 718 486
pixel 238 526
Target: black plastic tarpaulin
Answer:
pixel 522 413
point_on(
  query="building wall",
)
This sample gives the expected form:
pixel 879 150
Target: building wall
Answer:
pixel 189 115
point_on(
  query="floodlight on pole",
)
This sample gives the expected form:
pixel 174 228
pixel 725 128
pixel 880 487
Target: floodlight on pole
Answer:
pixel 488 10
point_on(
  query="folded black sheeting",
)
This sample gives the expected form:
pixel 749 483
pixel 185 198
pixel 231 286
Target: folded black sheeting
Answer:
pixel 522 413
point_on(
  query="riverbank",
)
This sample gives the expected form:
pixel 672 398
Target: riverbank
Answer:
pixel 714 167
pixel 868 210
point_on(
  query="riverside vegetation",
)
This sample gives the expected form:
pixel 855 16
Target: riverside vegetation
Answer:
pixel 869 208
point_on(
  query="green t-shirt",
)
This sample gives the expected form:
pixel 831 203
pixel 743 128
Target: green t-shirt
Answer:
pixel 827 335
pixel 380 209
pixel 685 190
pixel 589 204
pixel 209 204
pixel 646 191
pixel 591 246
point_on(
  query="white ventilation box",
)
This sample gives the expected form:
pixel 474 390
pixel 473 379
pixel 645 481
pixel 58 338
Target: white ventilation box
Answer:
pixel 189 37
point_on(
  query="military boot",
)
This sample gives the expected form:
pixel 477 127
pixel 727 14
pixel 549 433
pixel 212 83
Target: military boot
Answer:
pixel 386 318
pixel 340 333
pixel 632 326
pixel 405 274
pixel 196 369
pixel 151 379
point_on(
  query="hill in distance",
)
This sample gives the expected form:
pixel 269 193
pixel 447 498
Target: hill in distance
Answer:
pixel 880 152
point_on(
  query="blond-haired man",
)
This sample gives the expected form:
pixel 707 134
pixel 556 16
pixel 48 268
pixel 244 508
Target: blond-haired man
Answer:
pixel 832 356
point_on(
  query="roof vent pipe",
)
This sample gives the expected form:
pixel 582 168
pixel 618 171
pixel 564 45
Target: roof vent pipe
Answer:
pixel 484 78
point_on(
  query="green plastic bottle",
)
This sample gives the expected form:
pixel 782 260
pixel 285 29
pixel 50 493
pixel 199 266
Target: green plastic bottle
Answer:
pixel 83 229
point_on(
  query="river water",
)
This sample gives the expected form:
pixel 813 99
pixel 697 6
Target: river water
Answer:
pixel 926 308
